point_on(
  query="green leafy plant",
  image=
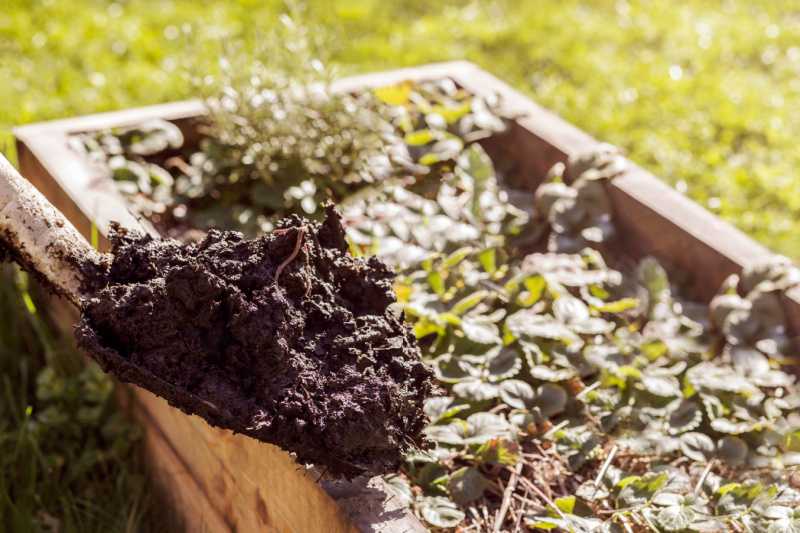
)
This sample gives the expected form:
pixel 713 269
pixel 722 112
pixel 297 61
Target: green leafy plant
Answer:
pixel 69 459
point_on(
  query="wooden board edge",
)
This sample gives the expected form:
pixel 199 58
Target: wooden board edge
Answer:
pixel 635 188
pixel 46 155
pixel 171 111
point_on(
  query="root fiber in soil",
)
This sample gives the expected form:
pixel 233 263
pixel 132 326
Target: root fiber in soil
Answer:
pixel 286 338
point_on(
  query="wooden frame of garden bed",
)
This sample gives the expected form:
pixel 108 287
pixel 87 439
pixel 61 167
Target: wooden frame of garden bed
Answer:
pixel 221 482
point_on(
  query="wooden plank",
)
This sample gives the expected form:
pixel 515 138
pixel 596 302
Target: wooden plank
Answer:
pixel 80 190
pixel 172 479
pixel 172 111
pixel 254 486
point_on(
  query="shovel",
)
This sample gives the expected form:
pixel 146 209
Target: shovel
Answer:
pixel 363 428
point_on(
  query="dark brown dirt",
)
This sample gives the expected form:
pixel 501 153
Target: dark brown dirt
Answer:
pixel 332 375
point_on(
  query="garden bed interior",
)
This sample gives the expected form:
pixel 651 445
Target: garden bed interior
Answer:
pixel 221 481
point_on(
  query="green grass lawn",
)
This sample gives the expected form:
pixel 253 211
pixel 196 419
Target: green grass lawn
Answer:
pixel 69 460
pixel 706 95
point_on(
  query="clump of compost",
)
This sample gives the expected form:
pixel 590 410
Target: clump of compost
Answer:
pixel 286 338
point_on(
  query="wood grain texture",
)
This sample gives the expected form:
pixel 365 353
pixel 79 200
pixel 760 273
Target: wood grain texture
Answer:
pixel 259 481
pixel 171 478
pixel 256 486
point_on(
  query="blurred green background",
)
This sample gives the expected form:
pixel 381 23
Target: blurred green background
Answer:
pixel 704 94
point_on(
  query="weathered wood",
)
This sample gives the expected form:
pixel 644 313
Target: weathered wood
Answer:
pixel 174 481
pixel 654 219
pixel 257 486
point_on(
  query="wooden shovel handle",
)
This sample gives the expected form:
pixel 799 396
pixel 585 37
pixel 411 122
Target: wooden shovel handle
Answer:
pixel 40 238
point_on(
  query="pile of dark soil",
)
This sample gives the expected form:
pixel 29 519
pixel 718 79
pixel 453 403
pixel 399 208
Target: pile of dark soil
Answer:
pixel 286 338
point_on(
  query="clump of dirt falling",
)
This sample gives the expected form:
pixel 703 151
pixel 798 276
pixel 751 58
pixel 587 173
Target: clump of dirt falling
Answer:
pixel 307 357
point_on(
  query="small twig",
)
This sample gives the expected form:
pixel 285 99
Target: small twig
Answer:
pixel 554 429
pixel 703 477
pixel 477 517
pixel 300 232
pixel 587 390
pixel 541 494
pixel 605 466
pixel 512 484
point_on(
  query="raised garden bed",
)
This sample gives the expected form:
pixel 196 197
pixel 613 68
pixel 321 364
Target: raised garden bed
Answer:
pixel 223 482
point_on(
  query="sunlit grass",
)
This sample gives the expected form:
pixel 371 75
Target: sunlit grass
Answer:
pixel 69 461
pixel 704 94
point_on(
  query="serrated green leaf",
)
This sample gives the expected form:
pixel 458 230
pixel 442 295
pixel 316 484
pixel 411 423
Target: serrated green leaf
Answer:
pixel 451 368
pixel 476 390
pixel 504 365
pixel 675 518
pixel 436 282
pixel 570 310
pixel 498 452
pixel 465 485
pixel 425 327
pixel 488 260
pixel 723 425
pixel 517 394
pixel 732 450
pixel 400 487
pixel 535 286
pixel 663 385
pixel 420 137
pixel 528 324
pixel 551 399
pixel 619 306
pixel 737 499
pixel 431 477
pixel 668 499
pixel 638 492
pixel 776 512
pixel 482 427
pixel 791 441
pixel 477 164
pixel 452 434
pixel 441 408
pixel 480 329
pixel 545 373
pixel 784 525
pixel 572 505
pixel 439 511
pixel 697 446
pixel 686 417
